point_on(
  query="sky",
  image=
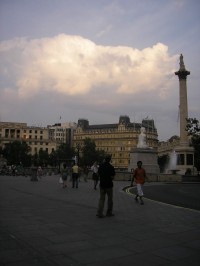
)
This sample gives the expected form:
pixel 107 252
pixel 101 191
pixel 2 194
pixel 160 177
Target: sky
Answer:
pixel 64 60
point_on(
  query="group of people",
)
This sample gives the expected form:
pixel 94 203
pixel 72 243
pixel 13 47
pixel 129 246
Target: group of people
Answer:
pixel 104 174
pixel 74 171
pixel 107 172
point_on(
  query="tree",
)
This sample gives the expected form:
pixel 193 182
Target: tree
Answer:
pixel 174 138
pixel 90 154
pixel 88 151
pixel 17 152
pixel 53 159
pixel 63 153
pixel 193 129
pixel 43 158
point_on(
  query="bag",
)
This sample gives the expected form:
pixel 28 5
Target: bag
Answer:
pixel 60 180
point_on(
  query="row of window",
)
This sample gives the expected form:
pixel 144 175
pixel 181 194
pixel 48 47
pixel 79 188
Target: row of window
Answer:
pixel 185 160
pixel 124 136
pixel 25 131
pixel 41 149
pixel 31 131
pixel 36 143
pixel 30 137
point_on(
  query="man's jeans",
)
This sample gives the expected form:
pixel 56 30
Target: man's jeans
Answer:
pixel 103 192
pixel 75 180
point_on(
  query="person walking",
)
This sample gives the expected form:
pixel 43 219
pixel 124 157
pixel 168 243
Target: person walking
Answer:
pixel 85 173
pixel 39 172
pixel 106 172
pixel 75 175
pixel 139 177
pixel 95 175
pixel 64 175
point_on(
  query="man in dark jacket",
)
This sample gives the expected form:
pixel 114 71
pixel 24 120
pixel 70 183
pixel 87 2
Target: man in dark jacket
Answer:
pixel 106 172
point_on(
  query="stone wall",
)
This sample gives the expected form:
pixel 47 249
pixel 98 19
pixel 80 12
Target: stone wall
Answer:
pixel 126 176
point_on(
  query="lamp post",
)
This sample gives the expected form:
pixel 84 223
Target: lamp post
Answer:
pixel 78 146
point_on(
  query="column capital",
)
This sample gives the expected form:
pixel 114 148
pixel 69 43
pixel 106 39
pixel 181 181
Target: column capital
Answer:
pixel 182 74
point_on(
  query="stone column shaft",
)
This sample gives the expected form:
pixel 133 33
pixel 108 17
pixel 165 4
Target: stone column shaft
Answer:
pixel 183 107
pixel 183 112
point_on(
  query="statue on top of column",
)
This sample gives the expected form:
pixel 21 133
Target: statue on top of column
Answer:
pixel 182 66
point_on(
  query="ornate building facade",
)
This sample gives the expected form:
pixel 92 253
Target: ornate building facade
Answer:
pixel 36 137
pixel 116 139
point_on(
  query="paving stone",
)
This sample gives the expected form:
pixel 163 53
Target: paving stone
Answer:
pixel 43 224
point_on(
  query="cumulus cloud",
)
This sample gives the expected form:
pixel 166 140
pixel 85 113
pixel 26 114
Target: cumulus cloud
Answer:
pixel 72 65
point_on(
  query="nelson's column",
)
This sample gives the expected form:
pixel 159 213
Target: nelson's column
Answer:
pixel 184 151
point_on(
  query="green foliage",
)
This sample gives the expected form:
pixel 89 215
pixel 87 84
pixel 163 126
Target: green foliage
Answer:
pixel 193 129
pixel 53 159
pixel 90 154
pixel 174 138
pixel 17 152
pixel 63 152
pixel 42 158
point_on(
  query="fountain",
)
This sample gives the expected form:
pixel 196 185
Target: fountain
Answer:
pixel 172 160
pixel 172 163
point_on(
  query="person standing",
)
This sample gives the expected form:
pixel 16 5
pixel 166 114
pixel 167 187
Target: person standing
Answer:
pixel 106 172
pixel 139 176
pixel 95 176
pixel 64 175
pixel 75 175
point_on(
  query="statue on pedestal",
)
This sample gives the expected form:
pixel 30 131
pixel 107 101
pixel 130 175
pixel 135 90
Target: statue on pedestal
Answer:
pixel 142 139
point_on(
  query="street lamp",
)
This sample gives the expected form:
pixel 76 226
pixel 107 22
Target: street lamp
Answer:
pixel 78 146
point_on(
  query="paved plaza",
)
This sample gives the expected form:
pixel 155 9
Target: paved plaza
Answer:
pixel 43 224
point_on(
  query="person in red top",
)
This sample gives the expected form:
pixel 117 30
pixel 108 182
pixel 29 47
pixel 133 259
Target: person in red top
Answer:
pixel 139 176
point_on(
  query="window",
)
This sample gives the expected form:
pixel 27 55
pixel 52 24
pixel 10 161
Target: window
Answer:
pixel 189 159
pixel 181 159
